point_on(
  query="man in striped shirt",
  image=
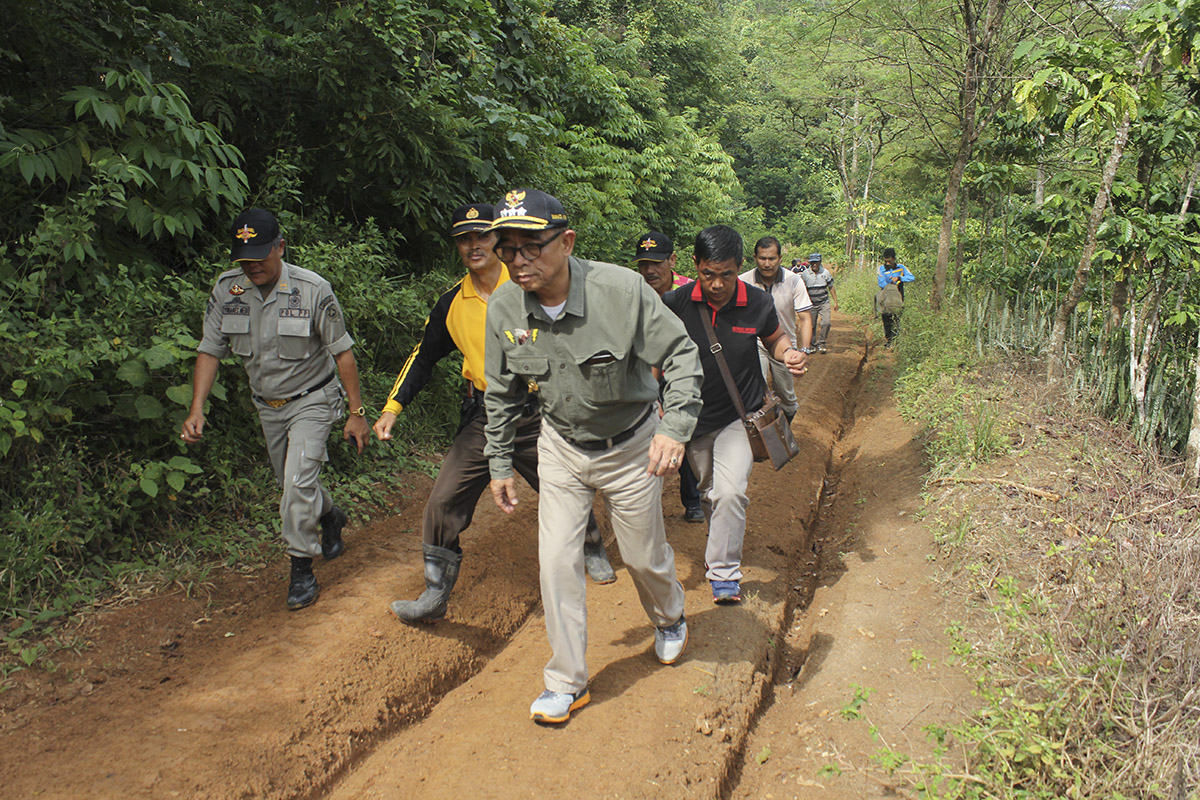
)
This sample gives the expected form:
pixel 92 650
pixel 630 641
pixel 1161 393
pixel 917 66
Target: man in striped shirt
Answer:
pixel 457 323
pixel 819 282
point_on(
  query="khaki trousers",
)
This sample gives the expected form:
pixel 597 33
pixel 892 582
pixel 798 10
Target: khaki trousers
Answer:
pixel 570 479
pixel 464 476
pixel 297 435
pixel 722 460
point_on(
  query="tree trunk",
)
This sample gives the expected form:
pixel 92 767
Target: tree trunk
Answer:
pixel 1139 357
pixel 1192 452
pixel 1116 312
pixel 960 243
pixel 949 207
pixel 1056 364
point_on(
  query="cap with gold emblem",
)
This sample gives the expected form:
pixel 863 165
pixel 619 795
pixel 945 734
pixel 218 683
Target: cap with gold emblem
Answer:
pixel 475 217
pixel 529 210
pixel 254 232
pixel 654 246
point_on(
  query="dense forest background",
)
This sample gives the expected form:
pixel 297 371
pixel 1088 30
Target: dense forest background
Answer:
pixel 1034 163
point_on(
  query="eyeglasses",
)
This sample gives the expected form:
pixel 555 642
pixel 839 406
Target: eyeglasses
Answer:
pixel 530 251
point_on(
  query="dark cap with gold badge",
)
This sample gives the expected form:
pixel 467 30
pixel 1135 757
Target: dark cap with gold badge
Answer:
pixel 529 210
pixel 654 246
pixel 472 217
pixel 254 232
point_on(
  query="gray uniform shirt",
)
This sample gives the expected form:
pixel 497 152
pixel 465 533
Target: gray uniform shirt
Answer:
pixel 818 284
pixel 591 366
pixel 287 340
pixel 790 298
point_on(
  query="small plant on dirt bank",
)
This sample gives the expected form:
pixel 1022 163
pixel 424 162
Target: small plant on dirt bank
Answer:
pixel 854 708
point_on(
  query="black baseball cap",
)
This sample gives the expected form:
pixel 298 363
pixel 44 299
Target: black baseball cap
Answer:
pixel 529 210
pixel 654 246
pixel 472 217
pixel 815 258
pixel 254 232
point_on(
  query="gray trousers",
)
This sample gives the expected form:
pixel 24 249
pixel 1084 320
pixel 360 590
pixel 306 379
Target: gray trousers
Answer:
pixel 779 378
pixel 570 479
pixel 297 435
pixel 722 460
pixel 821 323
pixel 464 476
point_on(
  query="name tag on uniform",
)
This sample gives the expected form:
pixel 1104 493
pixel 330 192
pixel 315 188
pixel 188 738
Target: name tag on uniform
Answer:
pixel 236 309
pixel 295 313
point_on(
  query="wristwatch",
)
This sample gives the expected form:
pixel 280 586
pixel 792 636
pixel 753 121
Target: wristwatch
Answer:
pixel 807 350
pixel 361 411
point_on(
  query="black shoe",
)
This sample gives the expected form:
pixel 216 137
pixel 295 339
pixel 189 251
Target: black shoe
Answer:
pixel 332 523
pixel 302 592
pixel 693 514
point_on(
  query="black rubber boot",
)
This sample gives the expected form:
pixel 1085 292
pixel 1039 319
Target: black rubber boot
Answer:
pixel 595 561
pixel 332 523
pixel 441 573
pixel 303 590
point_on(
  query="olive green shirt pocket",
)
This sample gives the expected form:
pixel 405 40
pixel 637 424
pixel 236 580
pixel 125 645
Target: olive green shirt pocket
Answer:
pixel 607 376
pixel 529 367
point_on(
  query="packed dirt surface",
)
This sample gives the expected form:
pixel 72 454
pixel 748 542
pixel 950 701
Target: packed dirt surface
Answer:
pixel 227 694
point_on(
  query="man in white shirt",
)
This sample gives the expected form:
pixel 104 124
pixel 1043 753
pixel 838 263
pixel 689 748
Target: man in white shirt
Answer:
pixel 792 305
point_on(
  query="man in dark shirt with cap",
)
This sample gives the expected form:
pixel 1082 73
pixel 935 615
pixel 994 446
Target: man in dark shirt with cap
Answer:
pixel 457 323
pixel 655 259
pixel 288 328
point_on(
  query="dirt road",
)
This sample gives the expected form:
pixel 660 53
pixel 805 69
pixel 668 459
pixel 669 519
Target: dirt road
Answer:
pixel 229 695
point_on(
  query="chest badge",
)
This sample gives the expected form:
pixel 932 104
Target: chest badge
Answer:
pixel 521 336
pixel 236 289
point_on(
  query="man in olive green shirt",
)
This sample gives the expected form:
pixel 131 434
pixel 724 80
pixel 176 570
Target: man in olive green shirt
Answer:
pixel 585 336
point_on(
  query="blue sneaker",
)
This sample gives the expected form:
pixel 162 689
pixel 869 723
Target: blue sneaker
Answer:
pixel 556 707
pixel 726 592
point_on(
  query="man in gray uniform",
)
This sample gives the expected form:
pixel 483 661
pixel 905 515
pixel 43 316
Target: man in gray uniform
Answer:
pixel 586 335
pixel 288 328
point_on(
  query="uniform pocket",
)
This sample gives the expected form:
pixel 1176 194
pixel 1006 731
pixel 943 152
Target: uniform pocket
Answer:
pixel 295 341
pixel 315 450
pixel 607 376
pixel 529 366
pixel 237 328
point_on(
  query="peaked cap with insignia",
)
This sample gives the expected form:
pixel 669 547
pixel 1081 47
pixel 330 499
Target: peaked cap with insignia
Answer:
pixel 254 232
pixel 472 217
pixel 529 210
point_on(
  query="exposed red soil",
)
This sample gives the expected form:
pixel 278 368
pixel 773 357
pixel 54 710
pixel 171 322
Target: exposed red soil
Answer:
pixel 229 695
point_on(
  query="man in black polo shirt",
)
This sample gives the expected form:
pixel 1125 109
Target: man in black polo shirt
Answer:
pixel 719 451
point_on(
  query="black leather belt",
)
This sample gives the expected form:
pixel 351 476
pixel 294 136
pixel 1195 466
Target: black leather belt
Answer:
pixel 605 444
pixel 286 400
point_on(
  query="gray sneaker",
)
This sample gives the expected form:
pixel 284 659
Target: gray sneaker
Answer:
pixel 670 640
pixel 554 707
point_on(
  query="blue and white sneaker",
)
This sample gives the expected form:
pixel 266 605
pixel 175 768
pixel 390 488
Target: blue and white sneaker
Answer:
pixel 670 640
pixel 726 592
pixel 554 707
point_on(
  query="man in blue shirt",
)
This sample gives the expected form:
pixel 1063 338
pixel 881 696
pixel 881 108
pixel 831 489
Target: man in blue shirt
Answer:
pixel 892 272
